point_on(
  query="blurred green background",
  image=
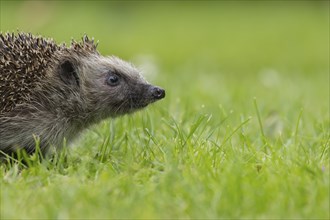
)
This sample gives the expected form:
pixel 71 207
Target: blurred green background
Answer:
pixel 228 36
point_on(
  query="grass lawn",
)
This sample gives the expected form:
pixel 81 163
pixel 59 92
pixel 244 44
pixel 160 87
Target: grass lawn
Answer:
pixel 242 133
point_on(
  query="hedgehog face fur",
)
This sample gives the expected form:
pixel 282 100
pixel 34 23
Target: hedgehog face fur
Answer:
pixel 115 87
pixel 53 92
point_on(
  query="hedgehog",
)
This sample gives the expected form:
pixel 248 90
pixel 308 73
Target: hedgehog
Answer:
pixel 53 91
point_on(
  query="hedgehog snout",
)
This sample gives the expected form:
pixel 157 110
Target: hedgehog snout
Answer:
pixel 157 92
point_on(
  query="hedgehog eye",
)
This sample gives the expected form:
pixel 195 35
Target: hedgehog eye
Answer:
pixel 113 80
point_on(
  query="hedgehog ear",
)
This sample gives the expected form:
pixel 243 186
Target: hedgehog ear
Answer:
pixel 68 73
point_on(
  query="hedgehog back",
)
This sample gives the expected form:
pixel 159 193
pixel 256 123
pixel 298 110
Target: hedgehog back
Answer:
pixel 24 60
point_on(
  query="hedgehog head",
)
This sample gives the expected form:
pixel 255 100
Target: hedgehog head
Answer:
pixel 108 86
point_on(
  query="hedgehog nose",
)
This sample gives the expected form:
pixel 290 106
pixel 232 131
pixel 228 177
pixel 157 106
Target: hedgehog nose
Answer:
pixel 158 93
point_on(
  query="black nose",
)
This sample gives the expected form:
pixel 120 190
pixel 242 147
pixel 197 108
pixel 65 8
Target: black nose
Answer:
pixel 158 93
